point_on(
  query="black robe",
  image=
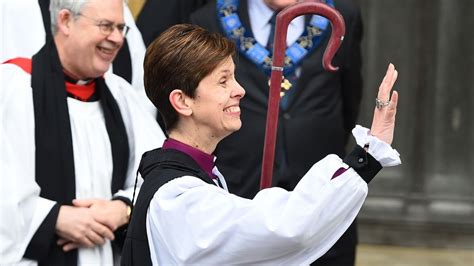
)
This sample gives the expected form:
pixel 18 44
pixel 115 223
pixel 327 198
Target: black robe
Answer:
pixel 157 167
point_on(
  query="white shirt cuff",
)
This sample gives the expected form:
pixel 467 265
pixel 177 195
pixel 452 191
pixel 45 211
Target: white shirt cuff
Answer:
pixel 381 151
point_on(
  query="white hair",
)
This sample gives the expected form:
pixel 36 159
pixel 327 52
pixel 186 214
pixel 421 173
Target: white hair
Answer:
pixel 75 6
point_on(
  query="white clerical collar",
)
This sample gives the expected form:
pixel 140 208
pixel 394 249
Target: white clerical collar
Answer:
pixel 260 14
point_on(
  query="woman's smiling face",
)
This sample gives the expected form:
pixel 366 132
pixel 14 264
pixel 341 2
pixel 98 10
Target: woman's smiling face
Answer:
pixel 215 106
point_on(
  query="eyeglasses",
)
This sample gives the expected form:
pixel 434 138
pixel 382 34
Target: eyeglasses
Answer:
pixel 107 27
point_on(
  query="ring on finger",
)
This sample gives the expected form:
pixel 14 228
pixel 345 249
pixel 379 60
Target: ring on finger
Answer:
pixel 381 104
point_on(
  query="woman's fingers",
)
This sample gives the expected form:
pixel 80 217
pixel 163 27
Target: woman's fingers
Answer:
pixel 393 101
pixel 387 83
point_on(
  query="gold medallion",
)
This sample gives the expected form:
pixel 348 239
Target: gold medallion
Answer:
pixel 285 86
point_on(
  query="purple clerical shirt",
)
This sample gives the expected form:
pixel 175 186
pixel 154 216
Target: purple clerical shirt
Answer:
pixel 204 160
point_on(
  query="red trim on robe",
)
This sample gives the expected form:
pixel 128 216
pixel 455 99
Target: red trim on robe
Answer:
pixel 80 92
pixel 22 62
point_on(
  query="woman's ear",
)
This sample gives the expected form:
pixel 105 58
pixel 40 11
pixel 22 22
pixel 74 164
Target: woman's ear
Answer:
pixel 64 21
pixel 180 103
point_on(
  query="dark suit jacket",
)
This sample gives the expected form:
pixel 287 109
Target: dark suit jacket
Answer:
pixel 158 15
pixel 317 122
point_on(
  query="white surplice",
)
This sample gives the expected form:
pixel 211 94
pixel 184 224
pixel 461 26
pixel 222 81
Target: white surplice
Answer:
pixel 22 210
pixel 192 222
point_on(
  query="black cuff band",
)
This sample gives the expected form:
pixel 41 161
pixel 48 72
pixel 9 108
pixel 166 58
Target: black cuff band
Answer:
pixel 124 199
pixel 40 244
pixel 363 163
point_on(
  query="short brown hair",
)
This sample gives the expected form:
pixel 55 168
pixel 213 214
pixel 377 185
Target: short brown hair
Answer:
pixel 179 59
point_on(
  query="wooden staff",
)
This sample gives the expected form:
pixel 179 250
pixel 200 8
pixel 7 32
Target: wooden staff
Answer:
pixel 283 19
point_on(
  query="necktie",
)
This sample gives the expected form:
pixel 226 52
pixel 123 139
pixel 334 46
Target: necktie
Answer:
pixel 292 77
pixel 272 23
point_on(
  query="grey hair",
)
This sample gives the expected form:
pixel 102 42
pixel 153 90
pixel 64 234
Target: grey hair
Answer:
pixel 75 6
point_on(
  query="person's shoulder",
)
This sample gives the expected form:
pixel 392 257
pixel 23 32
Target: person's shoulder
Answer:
pixel 22 62
pixel 14 79
pixel 124 92
pixel 186 184
pixel 121 89
pixel 115 82
pixel 350 11
pixel 204 15
pixel 205 10
pixel 15 68
pixel 128 97
pixel 347 8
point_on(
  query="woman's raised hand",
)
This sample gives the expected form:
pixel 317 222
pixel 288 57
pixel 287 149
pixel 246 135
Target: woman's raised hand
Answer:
pixel 383 123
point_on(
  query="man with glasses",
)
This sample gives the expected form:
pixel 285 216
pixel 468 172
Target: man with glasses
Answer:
pixel 128 63
pixel 107 27
pixel 71 138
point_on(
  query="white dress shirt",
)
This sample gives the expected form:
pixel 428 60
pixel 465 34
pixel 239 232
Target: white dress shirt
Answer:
pixel 260 14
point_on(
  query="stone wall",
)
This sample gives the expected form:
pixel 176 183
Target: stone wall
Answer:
pixel 431 196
